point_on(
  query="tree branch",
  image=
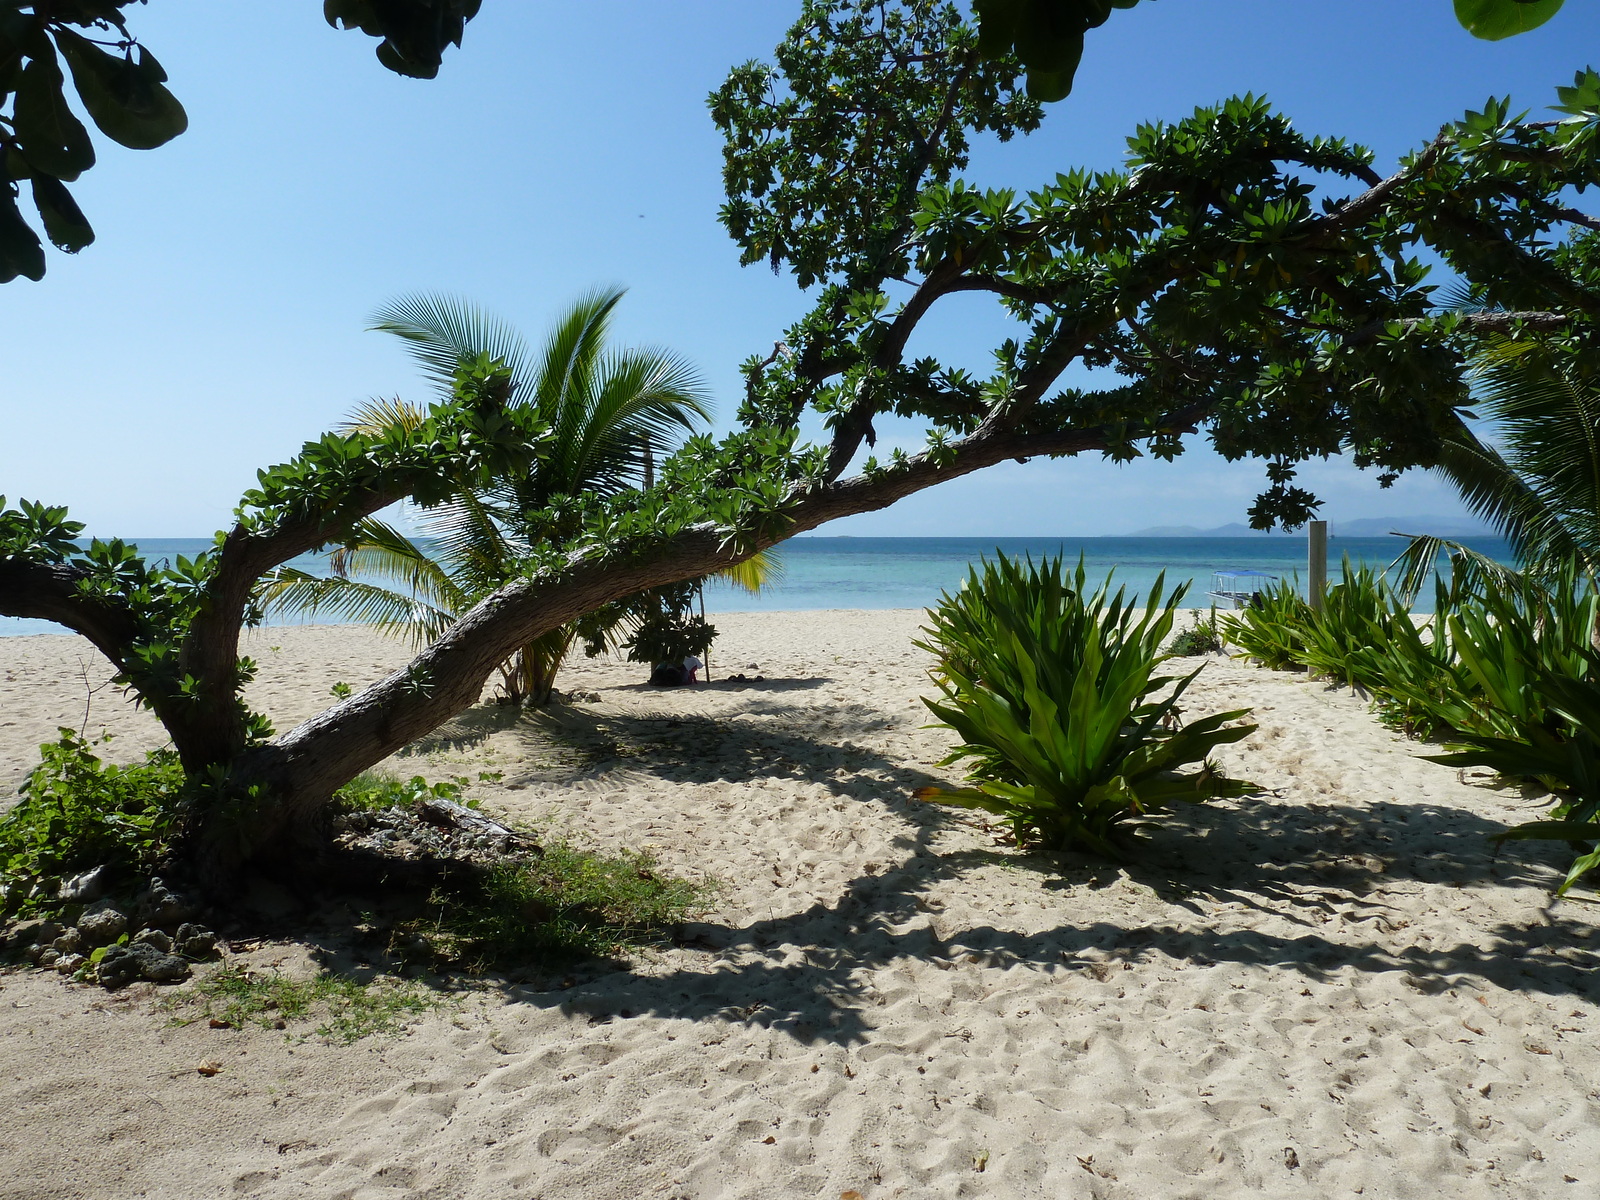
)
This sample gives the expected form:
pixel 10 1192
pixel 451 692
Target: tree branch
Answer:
pixel 210 651
pixel 49 592
pixel 303 766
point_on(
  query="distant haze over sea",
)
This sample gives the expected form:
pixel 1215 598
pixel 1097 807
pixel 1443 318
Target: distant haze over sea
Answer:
pixel 1364 527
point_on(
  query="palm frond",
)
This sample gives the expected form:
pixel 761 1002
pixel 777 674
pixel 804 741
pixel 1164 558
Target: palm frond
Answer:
pixel 756 573
pixel 1548 414
pixel 471 539
pixel 390 612
pixel 565 366
pixel 1496 490
pixel 380 554
pixel 380 414
pixel 636 397
pixel 1471 573
pixel 441 331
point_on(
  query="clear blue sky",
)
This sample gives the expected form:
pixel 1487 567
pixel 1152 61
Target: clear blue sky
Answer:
pixel 219 320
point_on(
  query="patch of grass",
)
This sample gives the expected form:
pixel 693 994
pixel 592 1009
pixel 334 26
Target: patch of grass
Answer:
pixel 566 904
pixel 348 1009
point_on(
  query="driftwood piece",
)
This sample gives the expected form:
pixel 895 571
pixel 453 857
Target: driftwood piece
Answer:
pixel 450 815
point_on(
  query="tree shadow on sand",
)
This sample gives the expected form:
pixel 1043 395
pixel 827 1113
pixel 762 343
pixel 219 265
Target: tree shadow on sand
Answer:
pixel 570 726
pixel 1325 871
pixel 762 741
pixel 1321 868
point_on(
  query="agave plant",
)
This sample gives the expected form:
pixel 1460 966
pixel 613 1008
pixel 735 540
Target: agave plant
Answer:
pixel 1053 693
pixel 607 411
pixel 1272 629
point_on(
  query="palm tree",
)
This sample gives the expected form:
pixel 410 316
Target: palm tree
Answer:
pixel 606 411
pixel 1540 488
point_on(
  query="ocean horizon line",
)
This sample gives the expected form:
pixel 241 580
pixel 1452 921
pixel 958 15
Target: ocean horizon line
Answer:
pixel 844 572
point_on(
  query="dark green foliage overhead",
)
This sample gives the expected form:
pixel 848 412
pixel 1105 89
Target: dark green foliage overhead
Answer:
pixel 43 143
pixel 1496 19
pixel 828 145
pixel 118 83
pixel 1046 36
pixel 414 32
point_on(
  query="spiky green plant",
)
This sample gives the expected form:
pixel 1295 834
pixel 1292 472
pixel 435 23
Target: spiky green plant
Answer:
pixel 1566 757
pixel 1067 732
pixel 1272 629
pixel 1347 638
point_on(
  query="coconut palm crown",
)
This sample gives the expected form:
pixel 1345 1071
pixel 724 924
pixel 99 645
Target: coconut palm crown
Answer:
pixel 1538 482
pixel 607 411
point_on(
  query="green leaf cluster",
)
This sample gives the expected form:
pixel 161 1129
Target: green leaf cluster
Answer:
pixel 120 85
pixel 155 603
pixel 77 813
pixel 1493 20
pixel 1567 758
pixel 663 627
pixel 43 143
pixel 828 147
pixel 1046 36
pixel 1068 732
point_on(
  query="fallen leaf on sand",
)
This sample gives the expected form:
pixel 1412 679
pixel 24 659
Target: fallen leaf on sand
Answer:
pixel 210 1067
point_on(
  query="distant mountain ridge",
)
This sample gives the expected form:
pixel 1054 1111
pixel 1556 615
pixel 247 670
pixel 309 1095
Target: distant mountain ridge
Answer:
pixel 1450 527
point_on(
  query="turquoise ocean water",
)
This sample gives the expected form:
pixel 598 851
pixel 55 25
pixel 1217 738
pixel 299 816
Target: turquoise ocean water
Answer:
pixel 870 572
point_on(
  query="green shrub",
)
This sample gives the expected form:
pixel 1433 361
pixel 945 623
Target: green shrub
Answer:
pixel 1466 671
pixel 1420 686
pixel 1053 696
pixel 376 790
pixel 1514 634
pixel 1200 638
pixel 1348 639
pixel 77 813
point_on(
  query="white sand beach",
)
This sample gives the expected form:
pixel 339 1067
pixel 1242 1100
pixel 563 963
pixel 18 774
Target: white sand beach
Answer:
pixel 1334 989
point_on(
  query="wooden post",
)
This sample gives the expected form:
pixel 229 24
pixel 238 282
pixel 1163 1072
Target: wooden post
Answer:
pixel 1317 562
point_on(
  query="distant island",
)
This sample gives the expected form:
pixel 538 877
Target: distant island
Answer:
pixel 1450 527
